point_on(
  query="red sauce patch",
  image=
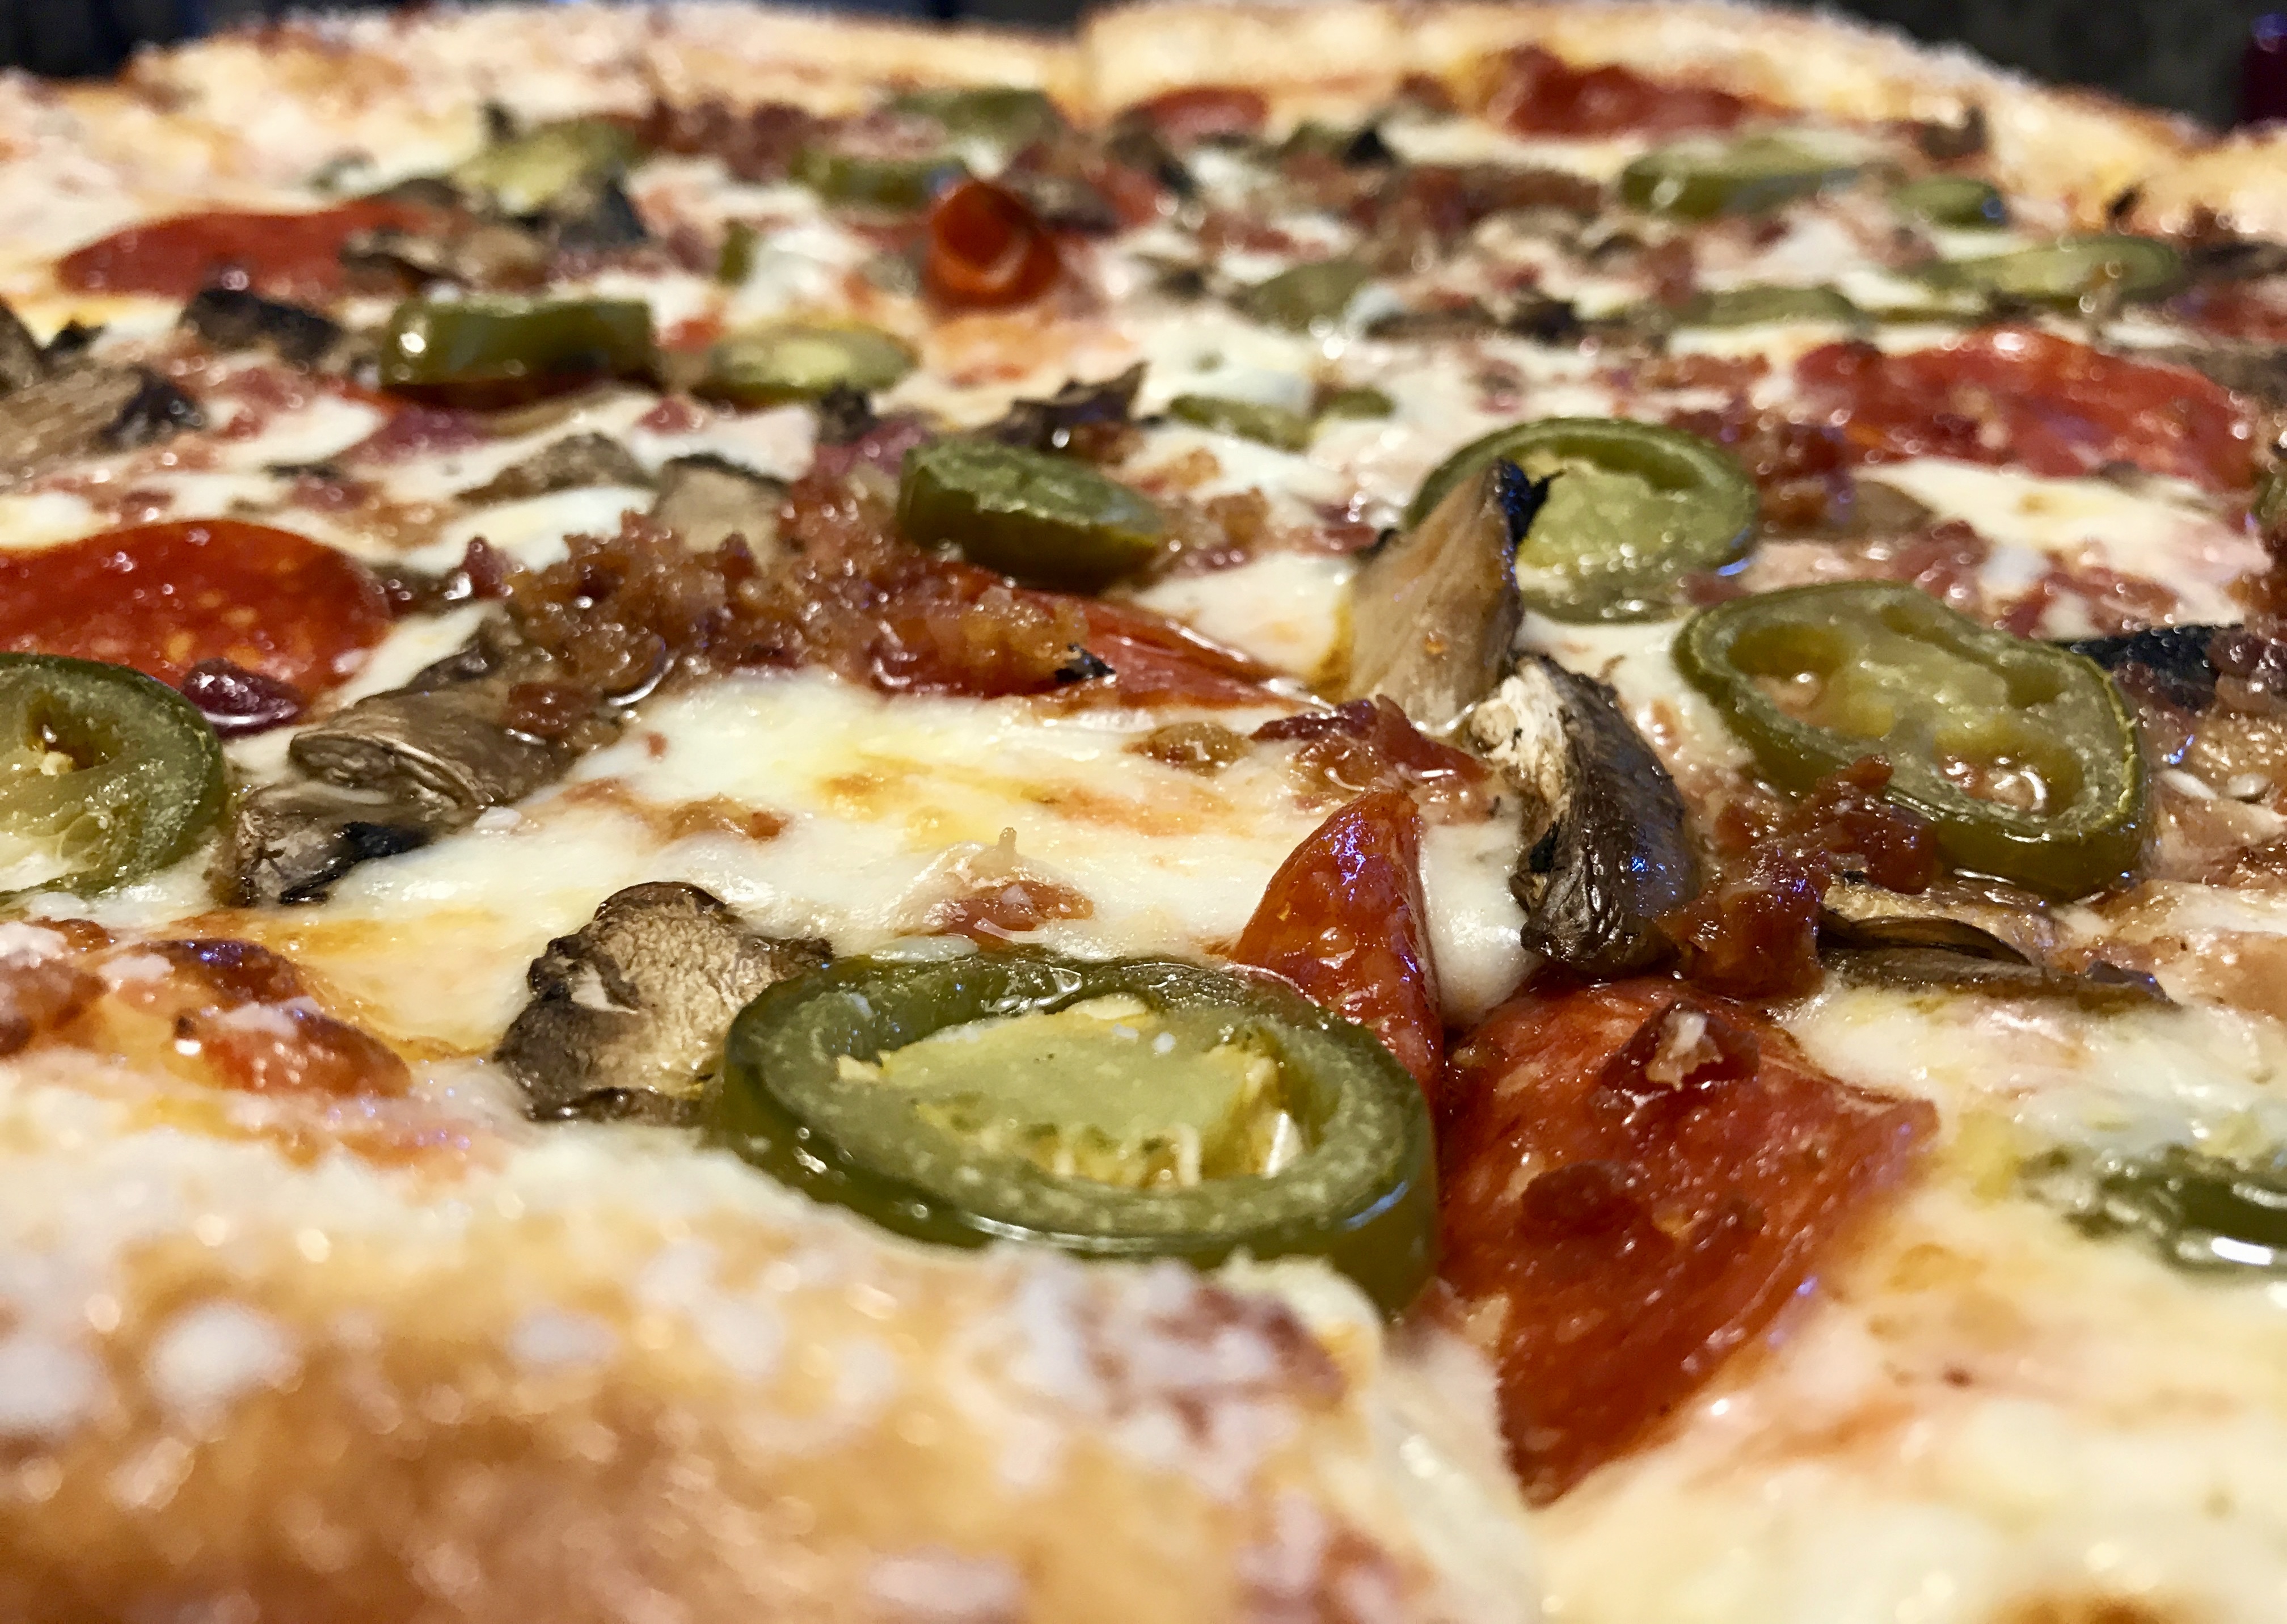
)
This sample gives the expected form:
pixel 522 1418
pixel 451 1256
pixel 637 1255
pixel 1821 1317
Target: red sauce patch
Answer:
pixel 2013 396
pixel 987 249
pixel 1535 92
pixel 165 598
pixel 1636 1178
pixel 1344 920
pixel 282 255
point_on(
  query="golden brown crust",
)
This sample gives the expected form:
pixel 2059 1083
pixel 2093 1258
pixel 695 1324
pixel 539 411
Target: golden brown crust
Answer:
pixel 575 1374
pixel 2081 149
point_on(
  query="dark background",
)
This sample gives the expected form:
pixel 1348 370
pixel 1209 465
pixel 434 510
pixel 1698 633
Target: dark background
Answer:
pixel 2173 53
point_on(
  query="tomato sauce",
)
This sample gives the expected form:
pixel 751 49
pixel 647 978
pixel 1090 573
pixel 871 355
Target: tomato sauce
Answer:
pixel 285 256
pixel 1344 921
pixel 1535 92
pixel 2015 396
pixel 165 598
pixel 1636 1178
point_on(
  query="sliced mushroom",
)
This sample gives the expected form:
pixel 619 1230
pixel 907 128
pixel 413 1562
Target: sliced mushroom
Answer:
pixel 1434 613
pixel 88 407
pixel 480 254
pixel 445 752
pixel 570 463
pixel 2102 986
pixel 1605 852
pixel 2258 370
pixel 391 773
pixel 627 1017
pixel 290 843
pixel 595 216
pixel 23 361
pixel 1075 411
pixel 705 500
pixel 234 319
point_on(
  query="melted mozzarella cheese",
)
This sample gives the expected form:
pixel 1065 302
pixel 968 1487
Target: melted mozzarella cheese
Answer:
pixel 533 531
pixel 2163 531
pixel 1288 609
pixel 882 800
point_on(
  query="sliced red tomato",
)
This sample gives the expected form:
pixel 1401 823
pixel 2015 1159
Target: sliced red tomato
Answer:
pixel 2031 399
pixel 987 249
pixel 1344 920
pixel 284 255
pixel 1535 92
pixel 163 597
pixel 1636 1177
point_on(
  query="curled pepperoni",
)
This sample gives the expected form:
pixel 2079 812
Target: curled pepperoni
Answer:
pixel 1535 92
pixel 987 248
pixel 284 255
pixel 2031 399
pixel 1635 1179
pixel 1344 920
pixel 1199 111
pixel 166 598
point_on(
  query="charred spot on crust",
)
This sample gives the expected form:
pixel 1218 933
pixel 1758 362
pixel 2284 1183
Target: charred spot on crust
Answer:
pixel 628 1014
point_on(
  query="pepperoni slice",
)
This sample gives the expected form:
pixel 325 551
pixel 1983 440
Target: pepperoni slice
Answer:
pixel 2013 395
pixel 1344 920
pixel 1199 111
pixel 163 597
pixel 1156 661
pixel 1535 92
pixel 1636 1178
pixel 987 249
pixel 283 255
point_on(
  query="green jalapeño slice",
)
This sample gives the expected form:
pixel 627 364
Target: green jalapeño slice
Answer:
pixel 1961 202
pixel 1634 506
pixel 2108 266
pixel 769 366
pixel 1126 1108
pixel 1006 118
pixel 1761 306
pixel 502 350
pixel 106 775
pixel 2021 754
pixel 1698 179
pixel 525 173
pixel 1269 425
pixel 1047 520
pixel 891 183
pixel 1306 298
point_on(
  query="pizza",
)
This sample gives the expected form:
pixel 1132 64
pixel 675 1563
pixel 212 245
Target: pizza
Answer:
pixel 1354 812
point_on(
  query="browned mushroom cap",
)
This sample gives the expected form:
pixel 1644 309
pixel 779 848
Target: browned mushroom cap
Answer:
pixel 1952 939
pixel 707 500
pixel 23 363
pixel 234 319
pixel 393 771
pixel 569 464
pixel 1605 851
pixel 1434 613
pixel 627 1017
pixel 85 408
